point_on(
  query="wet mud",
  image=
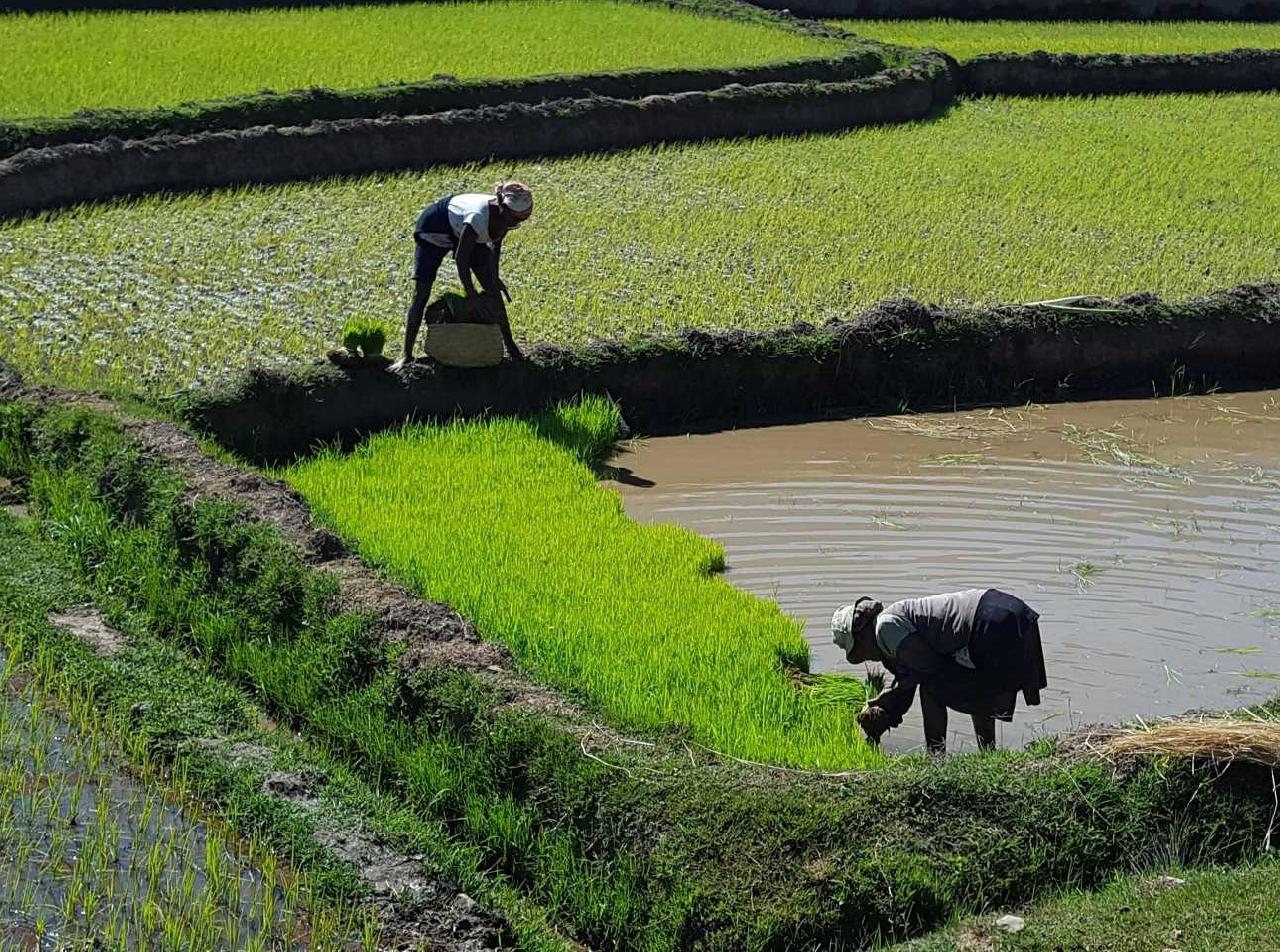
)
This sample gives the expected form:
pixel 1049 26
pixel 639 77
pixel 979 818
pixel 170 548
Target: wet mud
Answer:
pixel 1145 532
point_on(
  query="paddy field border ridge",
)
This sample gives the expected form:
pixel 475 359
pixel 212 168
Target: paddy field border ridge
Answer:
pixel 36 180
pixel 1100 74
pixel 899 353
pixel 299 107
pixel 682 847
pixel 1030 9
pixel 41 179
pixel 830 9
pixel 296 107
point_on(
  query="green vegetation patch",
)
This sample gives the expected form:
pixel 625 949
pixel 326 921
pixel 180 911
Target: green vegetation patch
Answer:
pixel 965 39
pixel 108 851
pixel 998 201
pixel 1207 909
pixel 627 845
pixel 101 854
pixel 508 525
pixel 76 61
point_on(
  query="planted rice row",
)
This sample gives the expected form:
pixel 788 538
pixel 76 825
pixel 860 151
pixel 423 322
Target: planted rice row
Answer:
pixel 965 39
pixel 999 201
pixel 503 520
pixel 121 59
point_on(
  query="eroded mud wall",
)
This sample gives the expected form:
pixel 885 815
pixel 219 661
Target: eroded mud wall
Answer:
pixel 899 353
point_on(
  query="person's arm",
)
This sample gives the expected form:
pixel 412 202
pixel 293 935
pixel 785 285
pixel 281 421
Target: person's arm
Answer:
pixel 504 325
pixel 897 698
pixel 885 711
pixel 462 257
pixel 497 261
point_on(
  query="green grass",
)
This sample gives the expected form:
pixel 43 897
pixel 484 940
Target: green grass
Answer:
pixel 1216 909
pixel 117 836
pixel 998 201
pixel 75 61
pixel 626 845
pixel 965 39
pixel 73 808
pixel 512 530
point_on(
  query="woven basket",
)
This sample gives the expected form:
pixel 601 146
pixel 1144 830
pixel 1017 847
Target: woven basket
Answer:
pixel 465 345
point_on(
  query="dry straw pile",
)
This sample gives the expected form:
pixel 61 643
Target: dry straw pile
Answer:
pixel 1214 739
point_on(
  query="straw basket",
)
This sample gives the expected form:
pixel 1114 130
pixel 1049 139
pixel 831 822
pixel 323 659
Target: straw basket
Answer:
pixel 465 345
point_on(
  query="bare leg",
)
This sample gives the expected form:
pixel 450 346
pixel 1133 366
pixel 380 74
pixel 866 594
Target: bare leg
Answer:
pixel 935 722
pixel 413 320
pixel 984 726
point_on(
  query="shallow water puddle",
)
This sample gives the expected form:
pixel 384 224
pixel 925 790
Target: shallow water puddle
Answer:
pixel 92 857
pixel 1145 532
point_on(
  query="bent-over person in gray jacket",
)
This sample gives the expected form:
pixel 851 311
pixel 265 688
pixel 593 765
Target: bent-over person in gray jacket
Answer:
pixel 970 651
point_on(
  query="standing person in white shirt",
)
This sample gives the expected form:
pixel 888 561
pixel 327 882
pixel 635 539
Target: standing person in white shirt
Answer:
pixel 472 226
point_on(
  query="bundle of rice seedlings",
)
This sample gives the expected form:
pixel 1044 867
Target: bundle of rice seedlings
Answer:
pixel 1217 739
pixel 363 337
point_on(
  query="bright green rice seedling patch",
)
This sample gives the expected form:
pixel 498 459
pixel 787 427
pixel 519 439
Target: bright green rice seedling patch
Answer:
pixel 512 529
pixel 999 201
pixel 123 59
pixel 965 39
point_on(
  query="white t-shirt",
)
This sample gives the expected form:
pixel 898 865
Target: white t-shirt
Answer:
pixel 467 209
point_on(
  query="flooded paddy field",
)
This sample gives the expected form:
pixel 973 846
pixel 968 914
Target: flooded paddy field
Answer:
pixel 1144 532
pixel 91 856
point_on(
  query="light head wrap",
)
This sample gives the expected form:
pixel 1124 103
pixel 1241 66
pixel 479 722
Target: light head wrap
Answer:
pixel 851 619
pixel 842 627
pixel 516 198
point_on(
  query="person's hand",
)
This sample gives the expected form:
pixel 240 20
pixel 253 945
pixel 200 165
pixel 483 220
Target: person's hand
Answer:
pixel 502 287
pixel 874 721
pixel 516 355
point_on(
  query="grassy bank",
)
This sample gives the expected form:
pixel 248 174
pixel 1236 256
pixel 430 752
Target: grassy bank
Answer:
pixel 512 529
pixel 625 845
pixel 1212 909
pixel 965 39
pixel 124 59
pixel 181 721
pixel 94 758
pixel 1168 194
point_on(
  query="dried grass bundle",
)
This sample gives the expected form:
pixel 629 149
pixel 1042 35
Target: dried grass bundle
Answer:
pixel 1219 739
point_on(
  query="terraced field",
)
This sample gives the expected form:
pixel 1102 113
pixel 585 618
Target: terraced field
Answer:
pixel 628 617
pixel 122 59
pixel 964 39
pixel 997 201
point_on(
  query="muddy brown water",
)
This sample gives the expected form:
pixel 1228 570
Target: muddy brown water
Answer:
pixel 1146 533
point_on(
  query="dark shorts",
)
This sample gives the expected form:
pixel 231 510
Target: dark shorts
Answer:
pixel 427 257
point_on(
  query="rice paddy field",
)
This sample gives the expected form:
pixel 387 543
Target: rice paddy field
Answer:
pixel 510 527
pixel 96 857
pixel 998 201
pixel 965 39
pixel 98 60
pixel 428 759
